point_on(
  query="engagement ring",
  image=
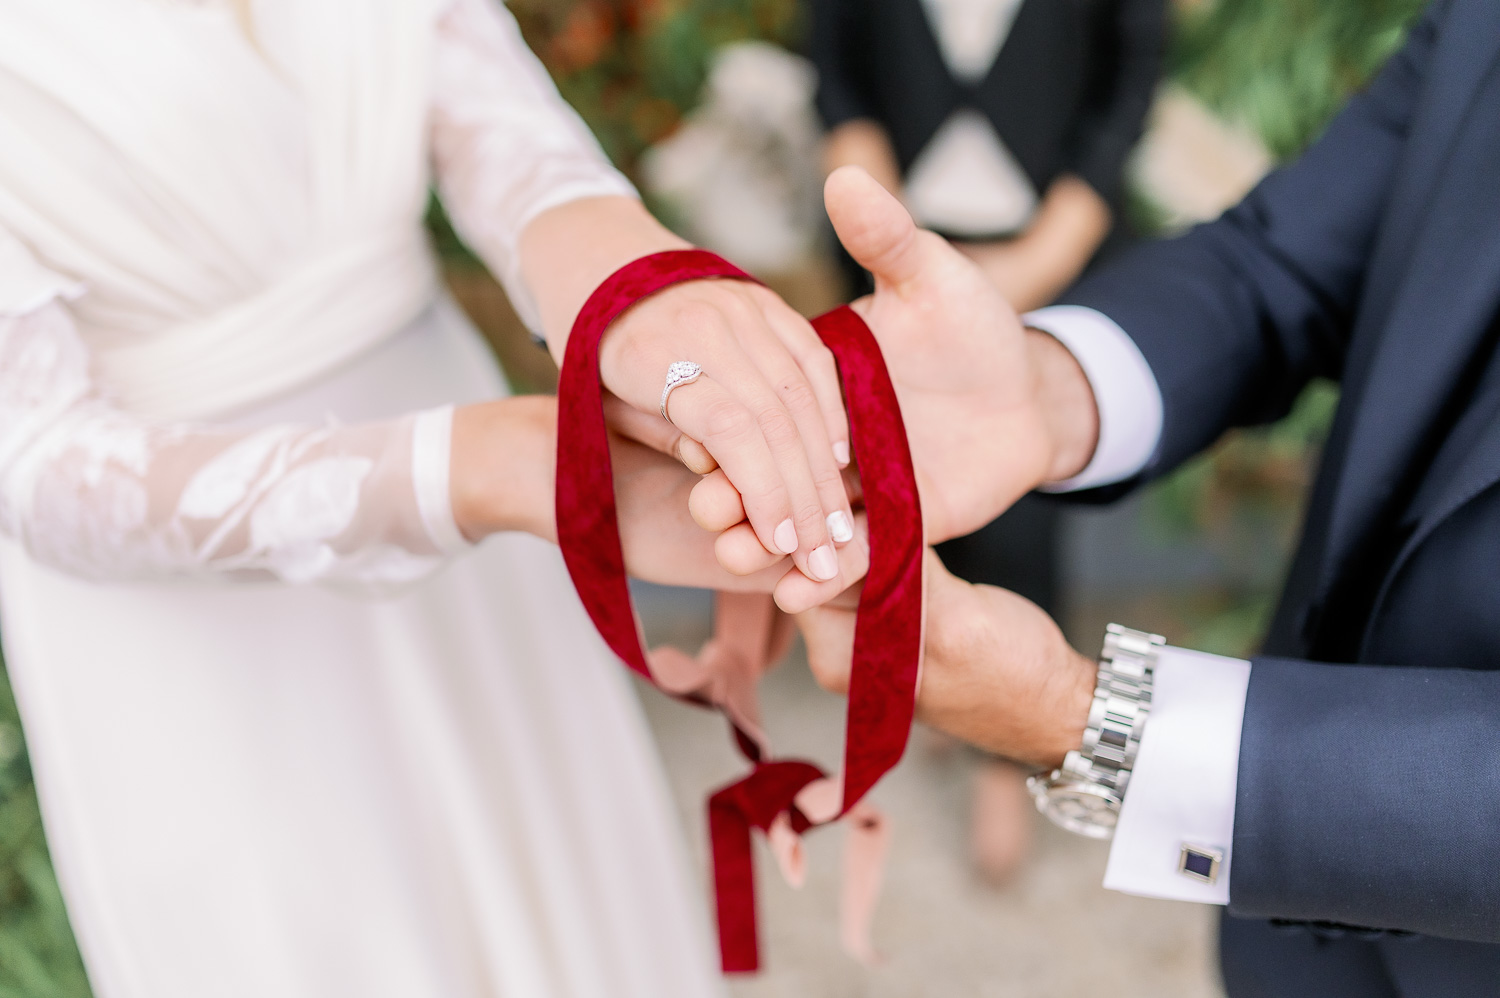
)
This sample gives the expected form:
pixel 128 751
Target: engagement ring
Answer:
pixel 682 372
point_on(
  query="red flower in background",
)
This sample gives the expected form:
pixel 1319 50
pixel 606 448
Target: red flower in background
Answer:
pixel 587 34
pixel 637 13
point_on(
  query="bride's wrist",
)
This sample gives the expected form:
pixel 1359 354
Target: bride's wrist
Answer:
pixel 501 469
pixel 569 250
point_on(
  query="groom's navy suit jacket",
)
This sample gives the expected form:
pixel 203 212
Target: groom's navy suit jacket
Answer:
pixel 1369 772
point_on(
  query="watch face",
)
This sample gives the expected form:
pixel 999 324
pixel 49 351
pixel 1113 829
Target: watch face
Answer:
pixel 1084 809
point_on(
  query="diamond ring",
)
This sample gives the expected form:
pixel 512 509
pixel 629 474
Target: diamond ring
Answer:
pixel 682 372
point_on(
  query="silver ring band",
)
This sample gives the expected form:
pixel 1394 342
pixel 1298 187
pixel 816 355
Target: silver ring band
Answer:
pixel 682 372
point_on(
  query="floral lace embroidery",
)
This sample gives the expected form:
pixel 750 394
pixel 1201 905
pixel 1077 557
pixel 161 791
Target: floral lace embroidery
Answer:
pixel 97 492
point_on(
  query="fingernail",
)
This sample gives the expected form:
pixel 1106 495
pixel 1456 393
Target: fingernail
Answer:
pixel 841 453
pixel 785 537
pixel 823 563
pixel 840 527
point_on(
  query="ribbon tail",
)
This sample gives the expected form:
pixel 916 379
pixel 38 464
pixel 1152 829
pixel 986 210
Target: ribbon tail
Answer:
pixel 865 850
pixel 734 883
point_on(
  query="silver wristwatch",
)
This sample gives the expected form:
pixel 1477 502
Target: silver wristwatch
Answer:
pixel 1084 796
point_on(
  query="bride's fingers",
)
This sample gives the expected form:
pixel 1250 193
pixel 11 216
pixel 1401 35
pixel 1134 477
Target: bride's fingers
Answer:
pixel 642 427
pixel 715 503
pixel 796 593
pixel 658 434
pixel 816 361
pixel 695 456
pixel 711 413
pixel 731 407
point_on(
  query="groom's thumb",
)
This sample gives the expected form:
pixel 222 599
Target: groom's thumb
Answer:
pixel 872 225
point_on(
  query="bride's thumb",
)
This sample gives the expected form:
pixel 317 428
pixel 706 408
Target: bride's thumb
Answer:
pixel 873 225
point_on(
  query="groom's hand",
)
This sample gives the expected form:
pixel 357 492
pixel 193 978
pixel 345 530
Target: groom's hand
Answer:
pixel 997 671
pixel 992 409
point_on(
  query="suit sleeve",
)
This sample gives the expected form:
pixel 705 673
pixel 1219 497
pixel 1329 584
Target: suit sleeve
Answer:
pixel 1121 94
pixel 1366 797
pixel 1236 316
pixel 835 42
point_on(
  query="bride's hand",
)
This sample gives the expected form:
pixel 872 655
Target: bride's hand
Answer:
pixel 502 478
pixel 767 410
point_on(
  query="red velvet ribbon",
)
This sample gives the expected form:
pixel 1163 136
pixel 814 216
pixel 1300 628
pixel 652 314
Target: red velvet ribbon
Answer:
pixel 888 632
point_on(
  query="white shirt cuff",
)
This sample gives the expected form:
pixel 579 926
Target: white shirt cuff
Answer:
pixel 1182 789
pixel 1129 400
pixel 431 458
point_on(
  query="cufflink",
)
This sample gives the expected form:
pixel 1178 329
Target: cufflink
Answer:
pixel 1200 862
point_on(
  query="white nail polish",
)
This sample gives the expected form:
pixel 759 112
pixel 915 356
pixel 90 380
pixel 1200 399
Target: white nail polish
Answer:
pixel 840 528
pixel 841 453
pixel 785 537
pixel 823 563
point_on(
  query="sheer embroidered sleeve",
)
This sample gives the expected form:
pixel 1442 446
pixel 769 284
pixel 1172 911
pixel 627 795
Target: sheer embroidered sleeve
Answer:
pixel 96 491
pixel 505 145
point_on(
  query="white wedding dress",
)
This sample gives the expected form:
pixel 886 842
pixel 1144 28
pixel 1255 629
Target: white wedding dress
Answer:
pixel 292 736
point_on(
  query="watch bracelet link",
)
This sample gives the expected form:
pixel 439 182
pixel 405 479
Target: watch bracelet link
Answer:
pixel 1118 714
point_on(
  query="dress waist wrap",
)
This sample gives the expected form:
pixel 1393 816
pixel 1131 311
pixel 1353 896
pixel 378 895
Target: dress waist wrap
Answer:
pixel 328 310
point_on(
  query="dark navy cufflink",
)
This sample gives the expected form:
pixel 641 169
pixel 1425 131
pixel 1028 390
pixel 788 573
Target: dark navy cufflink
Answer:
pixel 1200 862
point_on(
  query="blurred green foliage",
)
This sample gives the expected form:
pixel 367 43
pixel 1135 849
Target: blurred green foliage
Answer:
pixel 1284 67
pixel 633 68
pixel 38 958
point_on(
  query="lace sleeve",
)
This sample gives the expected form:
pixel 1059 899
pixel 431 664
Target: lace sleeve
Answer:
pixel 95 491
pixel 506 146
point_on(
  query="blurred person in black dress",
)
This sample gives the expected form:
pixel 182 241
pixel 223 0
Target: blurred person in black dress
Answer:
pixel 1005 126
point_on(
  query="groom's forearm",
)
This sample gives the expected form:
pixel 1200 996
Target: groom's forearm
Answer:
pixel 998 672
